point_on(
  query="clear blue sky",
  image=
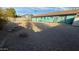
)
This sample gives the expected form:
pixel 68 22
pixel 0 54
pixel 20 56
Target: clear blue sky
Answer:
pixel 36 10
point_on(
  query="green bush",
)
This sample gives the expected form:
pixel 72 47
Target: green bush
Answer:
pixel 4 13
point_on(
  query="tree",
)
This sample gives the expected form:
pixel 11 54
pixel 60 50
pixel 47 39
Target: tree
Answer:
pixel 1 12
pixel 2 18
pixel 10 12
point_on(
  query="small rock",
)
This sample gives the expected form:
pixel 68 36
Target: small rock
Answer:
pixel 9 30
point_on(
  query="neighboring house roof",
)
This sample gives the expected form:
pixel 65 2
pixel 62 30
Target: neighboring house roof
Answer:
pixel 68 12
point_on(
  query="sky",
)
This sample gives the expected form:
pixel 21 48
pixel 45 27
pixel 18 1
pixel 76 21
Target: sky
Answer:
pixel 36 10
pixel 40 10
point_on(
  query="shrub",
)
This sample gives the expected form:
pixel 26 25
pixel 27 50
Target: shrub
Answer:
pixel 2 23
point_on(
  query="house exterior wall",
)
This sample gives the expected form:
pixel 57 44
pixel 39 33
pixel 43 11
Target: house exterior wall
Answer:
pixel 76 21
pixel 56 19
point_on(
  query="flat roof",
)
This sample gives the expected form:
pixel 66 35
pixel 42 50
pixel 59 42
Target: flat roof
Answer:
pixel 68 12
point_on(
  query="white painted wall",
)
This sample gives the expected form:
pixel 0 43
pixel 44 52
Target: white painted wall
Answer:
pixel 76 21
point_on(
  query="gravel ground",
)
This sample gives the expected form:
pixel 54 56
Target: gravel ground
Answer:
pixel 61 38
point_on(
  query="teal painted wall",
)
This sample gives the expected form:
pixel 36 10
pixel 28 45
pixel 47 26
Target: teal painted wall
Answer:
pixel 69 19
pixel 58 19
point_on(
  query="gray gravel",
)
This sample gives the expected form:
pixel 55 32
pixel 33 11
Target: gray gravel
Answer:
pixel 61 38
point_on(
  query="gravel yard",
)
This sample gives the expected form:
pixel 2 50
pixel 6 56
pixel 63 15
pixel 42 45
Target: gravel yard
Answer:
pixel 60 38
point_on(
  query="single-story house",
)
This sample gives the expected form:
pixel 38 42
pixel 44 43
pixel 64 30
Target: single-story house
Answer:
pixel 60 17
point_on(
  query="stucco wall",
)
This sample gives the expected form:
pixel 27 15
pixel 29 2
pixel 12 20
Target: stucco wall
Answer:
pixel 64 19
pixel 76 21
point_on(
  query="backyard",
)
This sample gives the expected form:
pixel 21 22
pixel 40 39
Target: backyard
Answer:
pixel 40 37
